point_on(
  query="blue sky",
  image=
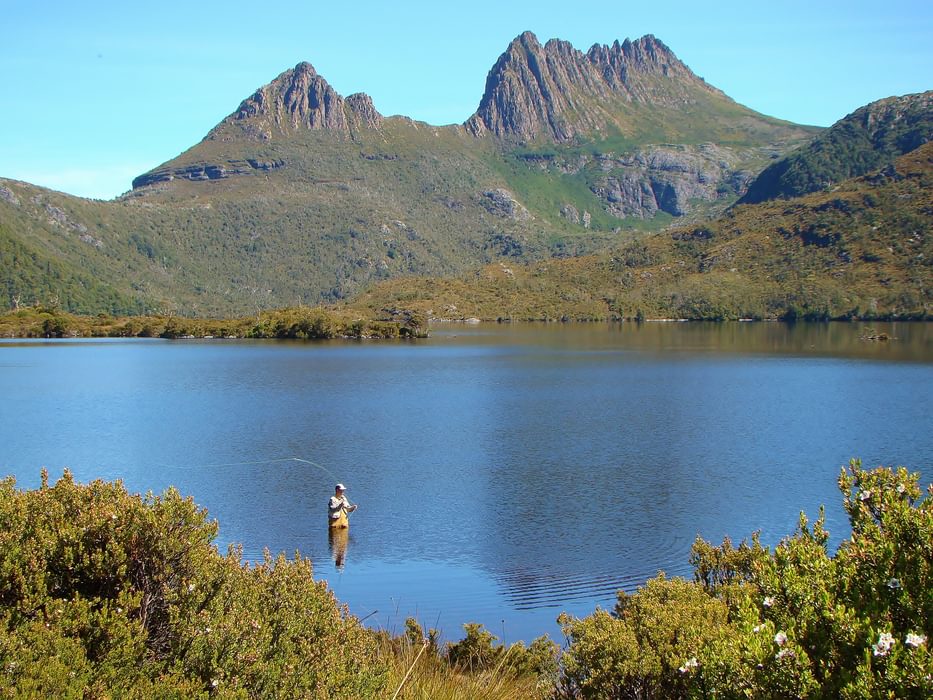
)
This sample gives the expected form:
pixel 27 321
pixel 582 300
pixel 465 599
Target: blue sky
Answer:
pixel 95 93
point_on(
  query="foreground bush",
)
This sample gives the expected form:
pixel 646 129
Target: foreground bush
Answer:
pixel 795 622
pixel 103 593
pixel 107 594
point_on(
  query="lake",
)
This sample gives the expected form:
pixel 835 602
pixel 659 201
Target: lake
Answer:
pixel 505 473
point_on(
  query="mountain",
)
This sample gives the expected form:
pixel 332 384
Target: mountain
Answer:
pixel 863 250
pixel 556 93
pixel 303 195
pixel 297 100
pixel 869 138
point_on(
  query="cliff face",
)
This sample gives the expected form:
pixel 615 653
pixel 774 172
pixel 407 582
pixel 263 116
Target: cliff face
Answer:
pixel 871 137
pixel 557 92
pixel 668 179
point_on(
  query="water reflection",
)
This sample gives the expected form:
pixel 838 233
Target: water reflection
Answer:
pixel 338 539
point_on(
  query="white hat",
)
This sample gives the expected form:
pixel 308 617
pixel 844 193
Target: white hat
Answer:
pixel 341 487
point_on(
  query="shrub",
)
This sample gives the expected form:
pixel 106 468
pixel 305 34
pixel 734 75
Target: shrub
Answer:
pixel 106 593
pixel 795 622
pixel 642 649
pixel 477 651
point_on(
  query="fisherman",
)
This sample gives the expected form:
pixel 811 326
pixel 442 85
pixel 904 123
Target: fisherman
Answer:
pixel 338 508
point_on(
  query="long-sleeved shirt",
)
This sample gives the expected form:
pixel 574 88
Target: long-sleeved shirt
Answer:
pixel 337 505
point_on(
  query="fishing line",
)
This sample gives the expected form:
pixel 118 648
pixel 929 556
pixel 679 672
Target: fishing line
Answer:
pixel 224 464
pixel 315 464
pixel 249 463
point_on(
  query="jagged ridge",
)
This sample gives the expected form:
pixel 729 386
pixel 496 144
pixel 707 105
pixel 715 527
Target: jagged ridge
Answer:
pixel 558 92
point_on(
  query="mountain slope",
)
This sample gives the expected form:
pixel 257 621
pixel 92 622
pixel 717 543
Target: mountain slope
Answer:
pixel 302 195
pixel 869 138
pixel 52 252
pixel 863 251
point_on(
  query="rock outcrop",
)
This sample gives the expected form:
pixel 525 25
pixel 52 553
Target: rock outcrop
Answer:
pixel 667 179
pixel 557 92
pixel 297 99
pixel 502 203
pixel 651 179
pixel 206 171
pixel 7 195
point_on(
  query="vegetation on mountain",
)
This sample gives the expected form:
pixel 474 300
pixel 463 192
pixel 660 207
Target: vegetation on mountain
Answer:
pixel 104 593
pixel 549 202
pixel 30 273
pixel 868 139
pixel 302 196
pixel 863 251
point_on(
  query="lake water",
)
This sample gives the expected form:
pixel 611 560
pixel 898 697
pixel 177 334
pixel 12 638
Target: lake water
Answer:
pixel 504 473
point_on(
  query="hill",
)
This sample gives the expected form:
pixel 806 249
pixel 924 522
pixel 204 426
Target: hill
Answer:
pixel 863 250
pixel 302 195
pixel 869 138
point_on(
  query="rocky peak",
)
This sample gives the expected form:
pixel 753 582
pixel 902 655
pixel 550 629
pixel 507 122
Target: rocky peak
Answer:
pixel 557 92
pixel 300 98
pixel 530 89
pixel 363 112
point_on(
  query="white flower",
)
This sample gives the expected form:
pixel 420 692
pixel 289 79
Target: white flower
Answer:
pixel 884 644
pixel 894 584
pixel 215 683
pixel 784 652
pixel 768 601
pixel 901 488
pixel 864 495
pixel 190 587
pixel 207 630
pixel 915 640
pixel 689 665
pixel 780 638
pixel 757 628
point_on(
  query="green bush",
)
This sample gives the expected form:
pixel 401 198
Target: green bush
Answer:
pixel 638 650
pixel 795 622
pixel 477 651
pixel 106 593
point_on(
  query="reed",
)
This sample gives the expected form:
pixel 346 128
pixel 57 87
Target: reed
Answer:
pixel 417 673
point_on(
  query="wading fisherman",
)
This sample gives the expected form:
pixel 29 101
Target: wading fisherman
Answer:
pixel 338 508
